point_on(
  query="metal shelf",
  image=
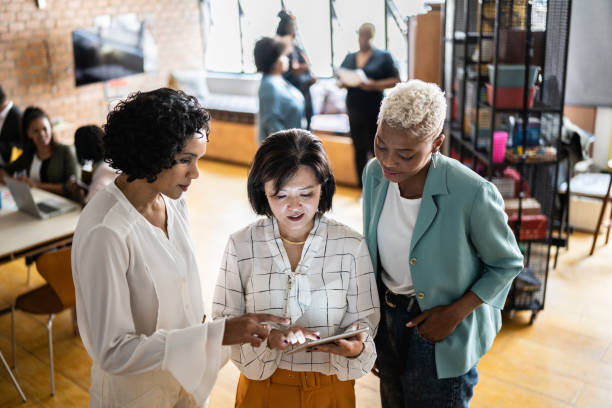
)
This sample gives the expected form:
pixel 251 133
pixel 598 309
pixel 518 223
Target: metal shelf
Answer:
pixel 536 108
pixel 468 144
pixel 538 178
pixel 471 37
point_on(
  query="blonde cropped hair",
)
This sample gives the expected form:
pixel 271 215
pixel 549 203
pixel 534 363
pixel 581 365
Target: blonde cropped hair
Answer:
pixel 417 106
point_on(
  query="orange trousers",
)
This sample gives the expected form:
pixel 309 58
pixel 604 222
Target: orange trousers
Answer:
pixel 295 390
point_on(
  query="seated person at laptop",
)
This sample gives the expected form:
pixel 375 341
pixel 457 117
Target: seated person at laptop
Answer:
pixel 44 163
pixel 89 144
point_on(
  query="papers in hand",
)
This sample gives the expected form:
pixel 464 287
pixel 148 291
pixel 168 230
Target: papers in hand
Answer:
pixel 351 77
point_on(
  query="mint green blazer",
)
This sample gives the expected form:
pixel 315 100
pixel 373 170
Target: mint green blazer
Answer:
pixel 461 242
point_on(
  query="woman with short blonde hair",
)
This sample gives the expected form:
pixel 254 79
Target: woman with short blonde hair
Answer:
pixel 443 252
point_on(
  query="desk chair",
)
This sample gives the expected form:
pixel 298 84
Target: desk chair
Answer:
pixel 54 297
pixel 600 220
pixel 13 379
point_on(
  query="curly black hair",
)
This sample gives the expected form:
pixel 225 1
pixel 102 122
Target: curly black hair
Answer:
pixel 145 131
pixel 279 157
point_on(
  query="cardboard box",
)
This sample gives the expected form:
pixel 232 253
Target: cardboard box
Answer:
pixel 529 206
pixel 533 227
pixel 584 211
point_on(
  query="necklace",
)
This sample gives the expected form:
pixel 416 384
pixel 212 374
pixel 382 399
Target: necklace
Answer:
pixel 286 241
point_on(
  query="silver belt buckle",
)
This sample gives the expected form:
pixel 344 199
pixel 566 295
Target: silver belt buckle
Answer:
pixel 387 301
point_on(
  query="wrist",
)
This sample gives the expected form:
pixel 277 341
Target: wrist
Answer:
pixel 358 354
pixel 466 305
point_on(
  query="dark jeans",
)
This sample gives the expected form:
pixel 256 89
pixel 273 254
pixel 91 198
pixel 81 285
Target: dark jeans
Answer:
pixel 363 129
pixel 407 366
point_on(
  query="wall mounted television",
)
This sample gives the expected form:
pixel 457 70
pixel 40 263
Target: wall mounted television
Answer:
pixel 110 52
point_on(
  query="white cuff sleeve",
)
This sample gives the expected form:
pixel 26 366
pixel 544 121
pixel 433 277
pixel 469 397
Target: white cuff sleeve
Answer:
pixel 194 355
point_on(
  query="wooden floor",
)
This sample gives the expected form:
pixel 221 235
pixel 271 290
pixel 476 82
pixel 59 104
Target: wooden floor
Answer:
pixel 563 360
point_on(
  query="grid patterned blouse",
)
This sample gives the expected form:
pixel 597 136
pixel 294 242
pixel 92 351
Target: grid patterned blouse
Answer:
pixel 332 288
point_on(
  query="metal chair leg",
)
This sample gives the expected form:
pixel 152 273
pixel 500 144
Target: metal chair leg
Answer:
pixel 29 273
pixel 13 340
pixel 15 383
pixel 50 339
pixel 606 198
pixel 75 325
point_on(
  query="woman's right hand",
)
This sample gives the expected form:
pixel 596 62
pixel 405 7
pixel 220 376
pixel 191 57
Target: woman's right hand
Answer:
pixel 281 339
pixel 248 328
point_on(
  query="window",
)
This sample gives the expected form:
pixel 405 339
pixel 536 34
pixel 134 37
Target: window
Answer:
pixel 315 38
pixel 347 22
pixel 223 51
pixel 258 20
pixel 324 27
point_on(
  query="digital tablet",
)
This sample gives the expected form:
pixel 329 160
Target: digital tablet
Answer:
pixel 329 339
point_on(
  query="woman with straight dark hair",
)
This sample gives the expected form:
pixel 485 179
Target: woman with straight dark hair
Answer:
pixel 299 264
pixel 44 163
pixel 281 105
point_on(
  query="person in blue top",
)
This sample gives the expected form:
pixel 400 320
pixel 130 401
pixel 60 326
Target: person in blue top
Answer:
pixel 281 105
pixel 363 102
pixel 444 255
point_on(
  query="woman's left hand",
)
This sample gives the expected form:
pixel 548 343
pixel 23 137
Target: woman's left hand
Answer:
pixel 439 322
pixel 29 181
pixel 349 347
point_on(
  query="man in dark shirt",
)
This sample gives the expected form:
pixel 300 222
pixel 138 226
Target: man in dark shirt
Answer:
pixel 10 118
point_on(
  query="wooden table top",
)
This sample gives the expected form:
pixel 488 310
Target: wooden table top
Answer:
pixel 21 232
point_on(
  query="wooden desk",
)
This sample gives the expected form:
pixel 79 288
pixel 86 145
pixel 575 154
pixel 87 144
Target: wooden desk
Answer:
pixel 22 234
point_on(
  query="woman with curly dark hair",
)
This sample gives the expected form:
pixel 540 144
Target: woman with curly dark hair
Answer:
pixel 139 303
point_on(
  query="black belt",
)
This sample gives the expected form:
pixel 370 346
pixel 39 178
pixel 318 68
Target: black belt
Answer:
pixel 394 300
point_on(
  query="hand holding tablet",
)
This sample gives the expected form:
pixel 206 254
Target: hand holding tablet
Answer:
pixel 281 337
pixel 337 344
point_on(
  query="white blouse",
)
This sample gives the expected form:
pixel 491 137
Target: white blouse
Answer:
pixel 103 175
pixel 139 305
pixel 332 287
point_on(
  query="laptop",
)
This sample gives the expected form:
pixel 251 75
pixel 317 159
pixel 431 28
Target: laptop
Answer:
pixel 43 209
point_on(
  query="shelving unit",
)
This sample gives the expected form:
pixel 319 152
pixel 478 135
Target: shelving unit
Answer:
pixel 481 32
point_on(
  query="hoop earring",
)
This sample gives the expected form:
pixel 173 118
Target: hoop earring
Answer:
pixel 433 159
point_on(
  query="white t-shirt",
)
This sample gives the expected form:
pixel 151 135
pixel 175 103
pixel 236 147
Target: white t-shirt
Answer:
pixel 35 168
pixel 139 305
pixel 394 234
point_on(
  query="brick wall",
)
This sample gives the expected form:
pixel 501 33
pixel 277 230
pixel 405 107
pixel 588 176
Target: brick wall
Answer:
pixel 36 61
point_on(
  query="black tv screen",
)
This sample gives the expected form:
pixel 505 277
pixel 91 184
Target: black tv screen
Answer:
pixel 103 54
